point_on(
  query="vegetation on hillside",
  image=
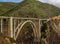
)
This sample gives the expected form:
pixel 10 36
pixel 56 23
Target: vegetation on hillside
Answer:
pixel 29 8
pixel 5 6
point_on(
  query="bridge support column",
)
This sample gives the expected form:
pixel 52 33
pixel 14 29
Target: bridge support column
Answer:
pixel 39 31
pixel 39 36
pixel 1 25
pixel 11 26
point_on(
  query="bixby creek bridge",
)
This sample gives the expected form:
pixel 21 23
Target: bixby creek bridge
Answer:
pixel 13 28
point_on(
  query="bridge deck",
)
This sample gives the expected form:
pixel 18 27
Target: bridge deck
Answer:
pixel 22 18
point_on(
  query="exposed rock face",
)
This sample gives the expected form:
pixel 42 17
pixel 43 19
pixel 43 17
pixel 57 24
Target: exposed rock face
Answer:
pixel 6 40
pixel 50 35
pixel 3 40
pixel 54 38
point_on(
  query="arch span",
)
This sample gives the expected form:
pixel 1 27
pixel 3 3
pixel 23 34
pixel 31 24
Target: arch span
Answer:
pixel 32 24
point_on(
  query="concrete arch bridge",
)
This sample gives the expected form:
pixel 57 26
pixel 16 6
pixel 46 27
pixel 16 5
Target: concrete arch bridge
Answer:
pixel 14 27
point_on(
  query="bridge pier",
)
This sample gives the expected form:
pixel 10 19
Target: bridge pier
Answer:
pixel 11 26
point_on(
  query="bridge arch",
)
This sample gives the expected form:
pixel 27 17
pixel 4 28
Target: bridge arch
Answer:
pixel 33 25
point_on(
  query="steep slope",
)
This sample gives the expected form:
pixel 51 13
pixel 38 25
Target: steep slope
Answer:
pixel 5 6
pixel 3 39
pixel 33 8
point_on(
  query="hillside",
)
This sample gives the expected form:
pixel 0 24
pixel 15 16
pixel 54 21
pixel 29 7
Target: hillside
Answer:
pixel 5 6
pixel 32 8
